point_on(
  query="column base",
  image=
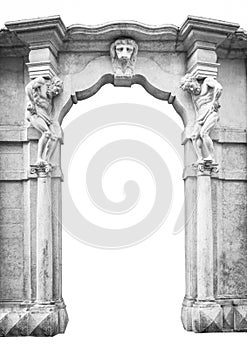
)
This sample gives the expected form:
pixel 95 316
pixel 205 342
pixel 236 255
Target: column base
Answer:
pixel 207 317
pixel 226 315
pixel 33 320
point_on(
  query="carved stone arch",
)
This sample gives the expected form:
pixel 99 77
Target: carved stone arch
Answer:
pixel 65 65
pixel 98 72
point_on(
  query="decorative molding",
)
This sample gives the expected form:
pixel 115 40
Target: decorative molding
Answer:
pixel 206 167
pixel 210 30
pixel 221 316
pixel 202 69
pixel 33 320
pixel 236 175
pixel 51 32
pixel 219 134
pixel 42 69
pixel 44 38
pixel 20 134
pixel 40 32
pixel 41 169
pixel 207 317
pixel 15 175
pixel 111 30
pixel 201 37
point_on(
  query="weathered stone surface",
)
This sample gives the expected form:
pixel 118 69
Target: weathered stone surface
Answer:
pixel 207 317
pixel 215 196
pixel 39 321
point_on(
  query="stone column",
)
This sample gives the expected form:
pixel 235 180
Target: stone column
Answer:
pixel 44 236
pixel 45 313
pixel 51 313
pixel 206 314
pixel 200 312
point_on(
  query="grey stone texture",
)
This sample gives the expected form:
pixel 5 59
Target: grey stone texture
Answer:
pixel 31 300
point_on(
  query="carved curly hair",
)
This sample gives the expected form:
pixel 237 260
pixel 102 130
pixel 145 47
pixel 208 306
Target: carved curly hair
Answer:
pixel 54 87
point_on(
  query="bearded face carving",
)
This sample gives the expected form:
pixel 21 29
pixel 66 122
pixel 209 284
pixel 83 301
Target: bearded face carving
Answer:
pixel 123 54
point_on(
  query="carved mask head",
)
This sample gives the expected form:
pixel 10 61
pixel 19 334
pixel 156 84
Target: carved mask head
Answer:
pixel 123 53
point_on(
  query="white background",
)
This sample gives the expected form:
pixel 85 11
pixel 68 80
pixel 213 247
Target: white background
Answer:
pixel 126 299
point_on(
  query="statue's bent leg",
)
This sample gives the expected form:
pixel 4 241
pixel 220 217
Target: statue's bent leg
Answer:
pixel 51 145
pixel 50 148
pixel 204 133
pixel 197 142
pixel 39 124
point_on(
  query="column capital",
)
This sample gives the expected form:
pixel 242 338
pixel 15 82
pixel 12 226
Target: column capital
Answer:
pixel 47 32
pixel 205 30
pixel 44 38
pixel 201 37
pixel 41 170
pixel 206 168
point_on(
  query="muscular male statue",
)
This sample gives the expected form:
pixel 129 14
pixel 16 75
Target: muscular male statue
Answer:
pixel 205 97
pixel 40 93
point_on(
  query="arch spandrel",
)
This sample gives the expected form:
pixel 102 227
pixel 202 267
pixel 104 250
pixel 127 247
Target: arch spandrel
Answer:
pixel 160 83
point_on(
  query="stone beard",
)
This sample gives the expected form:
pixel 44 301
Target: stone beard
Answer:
pixel 205 97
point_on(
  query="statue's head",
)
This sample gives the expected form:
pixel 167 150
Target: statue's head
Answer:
pixel 123 53
pixel 54 87
pixel 190 83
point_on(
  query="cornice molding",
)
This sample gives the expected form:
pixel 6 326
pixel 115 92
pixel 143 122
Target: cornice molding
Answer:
pixel 51 32
pixel 33 24
pixel 111 30
pixel 207 25
pixel 40 32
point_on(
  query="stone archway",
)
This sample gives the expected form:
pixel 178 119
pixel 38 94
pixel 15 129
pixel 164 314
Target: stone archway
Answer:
pixel 66 65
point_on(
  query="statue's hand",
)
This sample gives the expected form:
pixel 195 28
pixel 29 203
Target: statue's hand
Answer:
pixel 216 106
pixel 31 108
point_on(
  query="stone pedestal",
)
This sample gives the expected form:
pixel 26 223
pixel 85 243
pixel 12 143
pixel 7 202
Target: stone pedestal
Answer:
pixel 206 312
pixel 46 315
pixel 203 314
pixel 33 319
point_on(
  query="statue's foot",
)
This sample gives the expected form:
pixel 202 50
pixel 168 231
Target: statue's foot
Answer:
pixel 48 134
pixel 41 162
pixel 209 159
pixel 200 161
